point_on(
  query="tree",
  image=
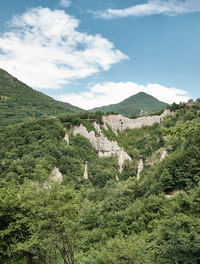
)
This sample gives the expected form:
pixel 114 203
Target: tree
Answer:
pixel 177 240
pixel 39 223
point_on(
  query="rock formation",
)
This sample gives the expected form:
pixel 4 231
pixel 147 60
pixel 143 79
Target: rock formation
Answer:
pixel 119 122
pixel 163 156
pixel 56 175
pixel 140 168
pixel 172 194
pixel 85 175
pixel 66 138
pixel 105 147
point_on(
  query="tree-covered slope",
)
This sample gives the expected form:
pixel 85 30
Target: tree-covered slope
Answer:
pixel 19 102
pixel 101 220
pixel 134 105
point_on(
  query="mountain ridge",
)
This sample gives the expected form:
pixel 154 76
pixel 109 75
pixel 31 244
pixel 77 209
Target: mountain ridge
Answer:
pixel 19 102
pixel 139 103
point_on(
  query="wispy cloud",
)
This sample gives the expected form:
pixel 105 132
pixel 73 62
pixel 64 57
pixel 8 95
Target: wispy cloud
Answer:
pixel 65 3
pixel 153 7
pixel 113 92
pixel 44 49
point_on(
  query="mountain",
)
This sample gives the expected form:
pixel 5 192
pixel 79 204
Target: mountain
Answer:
pixel 19 102
pixel 109 217
pixel 134 105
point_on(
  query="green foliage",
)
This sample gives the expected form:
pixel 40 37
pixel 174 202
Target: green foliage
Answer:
pixel 134 105
pixel 30 147
pixel 89 126
pixel 141 141
pixel 184 129
pixel 18 102
pixel 177 240
pixel 180 170
pixel 109 133
pixel 159 230
pixel 38 224
pixel 174 106
pixel 86 119
pixel 100 220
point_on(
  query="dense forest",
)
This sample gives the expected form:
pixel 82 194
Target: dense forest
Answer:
pixel 18 102
pixel 154 219
pixel 137 104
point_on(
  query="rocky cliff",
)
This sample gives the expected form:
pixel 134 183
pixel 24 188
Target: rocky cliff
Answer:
pixel 104 147
pixel 119 122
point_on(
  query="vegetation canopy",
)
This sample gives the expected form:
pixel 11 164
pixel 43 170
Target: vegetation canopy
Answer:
pixel 111 217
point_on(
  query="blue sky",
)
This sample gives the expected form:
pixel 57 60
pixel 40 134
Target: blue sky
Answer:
pixel 96 52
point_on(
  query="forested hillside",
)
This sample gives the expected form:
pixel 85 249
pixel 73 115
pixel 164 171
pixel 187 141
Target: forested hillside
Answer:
pixel 140 103
pixel 111 217
pixel 19 102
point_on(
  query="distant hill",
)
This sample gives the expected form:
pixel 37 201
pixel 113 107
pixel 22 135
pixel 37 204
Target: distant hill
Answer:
pixel 19 102
pixel 134 105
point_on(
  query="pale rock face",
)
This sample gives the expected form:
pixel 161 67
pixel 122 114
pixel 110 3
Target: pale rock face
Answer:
pixel 56 175
pixel 119 122
pixel 122 156
pixel 140 168
pixel 105 147
pixel 172 194
pixel 85 176
pixel 163 156
pixel 97 127
pixel 89 135
pixel 66 138
pixel 105 127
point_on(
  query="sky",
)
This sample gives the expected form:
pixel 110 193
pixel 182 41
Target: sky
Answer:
pixel 92 53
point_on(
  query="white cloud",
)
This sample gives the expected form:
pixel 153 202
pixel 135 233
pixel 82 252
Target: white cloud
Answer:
pixel 112 93
pixel 44 49
pixel 65 3
pixel 154 7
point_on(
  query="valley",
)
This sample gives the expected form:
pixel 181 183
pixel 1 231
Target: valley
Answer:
pixel 93 188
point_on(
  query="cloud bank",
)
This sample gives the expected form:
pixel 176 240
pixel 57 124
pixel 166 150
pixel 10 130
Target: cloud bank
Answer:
pixel 65 3
pixel 154 7
pixel 113 92
pixel 44 49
